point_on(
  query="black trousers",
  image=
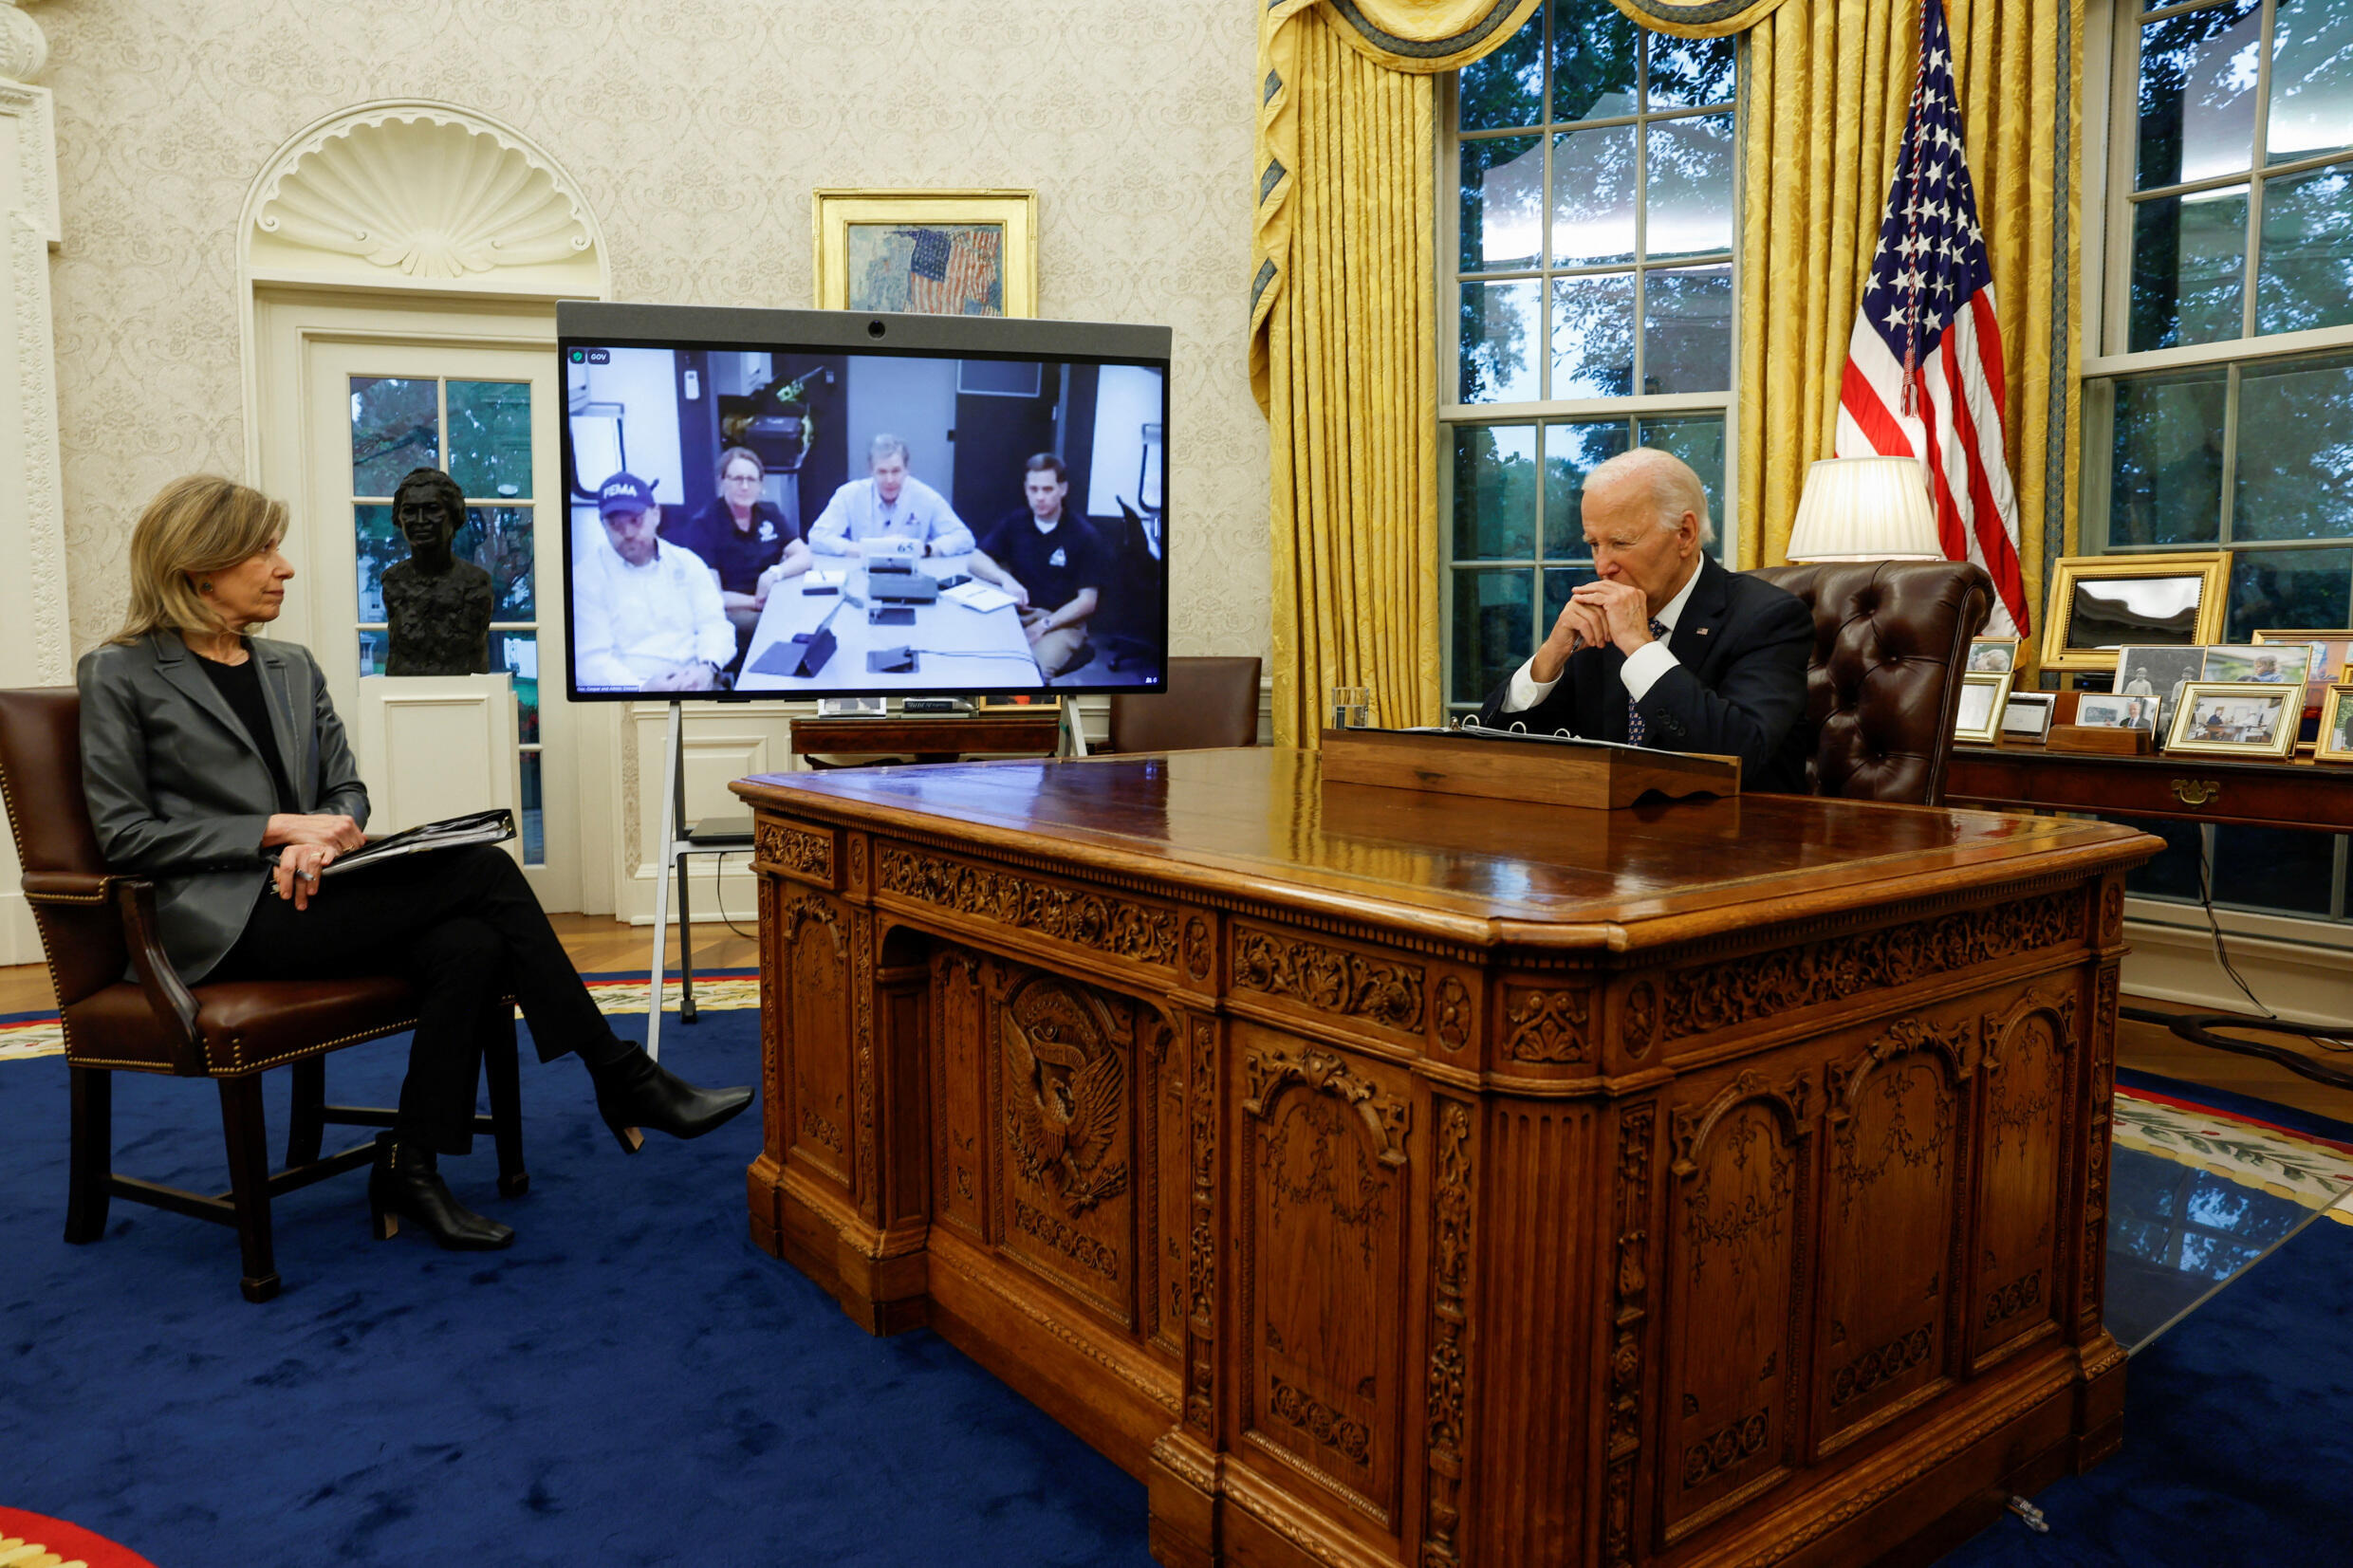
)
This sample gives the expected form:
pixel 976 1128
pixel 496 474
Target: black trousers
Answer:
pixel 463 927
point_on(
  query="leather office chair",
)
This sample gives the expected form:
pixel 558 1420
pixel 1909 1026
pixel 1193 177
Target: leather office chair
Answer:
pixel 96 923
pixel 1890 639
pixel 1207 702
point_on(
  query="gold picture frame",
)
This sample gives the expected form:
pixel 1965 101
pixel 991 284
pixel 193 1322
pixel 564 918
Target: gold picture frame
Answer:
pixel 1993 655
pixel 896 241
pixel 2215 715
pixel 2336 738
pixel 2077 577
pixel 2332 660
pixel 1969 722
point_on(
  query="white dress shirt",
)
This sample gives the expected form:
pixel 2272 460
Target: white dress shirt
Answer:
pixel 1639 672
pixel 857 511
pixel 635 622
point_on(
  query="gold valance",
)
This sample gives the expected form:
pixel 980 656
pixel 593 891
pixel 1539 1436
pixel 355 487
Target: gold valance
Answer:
pixel 1698 18
pixel 1419 37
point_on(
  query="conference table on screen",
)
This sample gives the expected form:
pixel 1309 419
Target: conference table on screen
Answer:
pixel 958 649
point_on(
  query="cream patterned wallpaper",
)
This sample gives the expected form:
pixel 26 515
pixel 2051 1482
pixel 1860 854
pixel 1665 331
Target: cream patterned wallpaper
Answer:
pixel 696 129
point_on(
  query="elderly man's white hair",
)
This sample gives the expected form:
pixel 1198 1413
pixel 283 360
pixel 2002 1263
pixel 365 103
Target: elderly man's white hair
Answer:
pixel 1673 486
pixel 886 446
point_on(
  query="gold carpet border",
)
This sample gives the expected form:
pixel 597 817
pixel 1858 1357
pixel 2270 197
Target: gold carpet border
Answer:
pixel 46 1037
pixel 2299 1169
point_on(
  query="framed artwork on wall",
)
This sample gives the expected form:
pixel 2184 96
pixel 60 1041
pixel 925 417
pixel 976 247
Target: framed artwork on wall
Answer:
pixel 2100 604
pixel 926 252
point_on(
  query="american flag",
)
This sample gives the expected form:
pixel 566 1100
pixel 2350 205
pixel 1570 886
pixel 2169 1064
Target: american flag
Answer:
pixel 954 274
pixel 1924 367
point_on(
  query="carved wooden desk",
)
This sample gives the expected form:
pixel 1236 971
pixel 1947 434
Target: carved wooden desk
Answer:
pixel 1389 1182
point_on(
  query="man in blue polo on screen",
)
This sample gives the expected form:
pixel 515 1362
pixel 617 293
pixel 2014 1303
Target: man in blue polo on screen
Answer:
pixel 1051 564
pixel 890 513
pixel 646 615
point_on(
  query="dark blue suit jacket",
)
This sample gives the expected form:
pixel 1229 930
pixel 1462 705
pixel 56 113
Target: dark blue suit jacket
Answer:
pixel 1737 690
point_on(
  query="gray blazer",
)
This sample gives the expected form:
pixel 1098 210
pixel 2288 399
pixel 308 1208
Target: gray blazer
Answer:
pixel 179 793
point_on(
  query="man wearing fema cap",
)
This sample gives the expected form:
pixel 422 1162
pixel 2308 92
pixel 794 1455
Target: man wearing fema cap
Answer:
pixel 646 611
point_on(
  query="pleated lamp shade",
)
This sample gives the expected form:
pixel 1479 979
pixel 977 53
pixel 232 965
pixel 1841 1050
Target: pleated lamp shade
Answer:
pixel 1865 509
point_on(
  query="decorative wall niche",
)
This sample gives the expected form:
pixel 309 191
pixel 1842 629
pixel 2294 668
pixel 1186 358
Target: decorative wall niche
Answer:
pixel 420 193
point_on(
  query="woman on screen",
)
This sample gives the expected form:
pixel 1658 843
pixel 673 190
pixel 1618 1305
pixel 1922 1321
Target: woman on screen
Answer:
pixel 749 542
pixel 214 765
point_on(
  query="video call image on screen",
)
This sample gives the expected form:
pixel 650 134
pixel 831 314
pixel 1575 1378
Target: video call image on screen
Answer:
pixel 828 523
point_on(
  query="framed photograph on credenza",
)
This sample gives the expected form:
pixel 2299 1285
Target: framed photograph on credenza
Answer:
pixel 2332 655
pixel 1978 717
pixel 2160 675
pixel 2026 717
pixel 2336 738
pixel 2236 719
pixel 2100 604
pixel 1993 655
pixel 2105 711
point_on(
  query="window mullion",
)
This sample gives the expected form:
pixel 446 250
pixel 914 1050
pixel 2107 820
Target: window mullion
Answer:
pixel 2255 168
pixel 2230 454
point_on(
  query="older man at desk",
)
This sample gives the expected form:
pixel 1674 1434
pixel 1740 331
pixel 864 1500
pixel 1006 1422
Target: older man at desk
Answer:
pixel 890 505
pixel 647 615
pixel 1665 648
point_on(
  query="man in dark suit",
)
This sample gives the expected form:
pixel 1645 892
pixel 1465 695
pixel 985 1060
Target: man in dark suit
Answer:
pixel 1665 648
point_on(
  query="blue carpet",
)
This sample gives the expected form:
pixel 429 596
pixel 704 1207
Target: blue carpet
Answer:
pixel 633 1382
pixel 2237 1448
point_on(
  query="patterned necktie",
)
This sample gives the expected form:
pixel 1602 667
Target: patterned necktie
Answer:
pixel 1635 727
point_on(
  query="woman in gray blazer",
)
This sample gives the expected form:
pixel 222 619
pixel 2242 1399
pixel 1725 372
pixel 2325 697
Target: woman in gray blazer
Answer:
pixel 214 765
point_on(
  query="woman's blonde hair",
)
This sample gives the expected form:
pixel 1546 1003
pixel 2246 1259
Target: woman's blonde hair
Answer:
pixel 197 525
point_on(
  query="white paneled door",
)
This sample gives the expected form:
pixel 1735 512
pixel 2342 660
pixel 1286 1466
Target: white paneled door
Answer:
pixel 373 412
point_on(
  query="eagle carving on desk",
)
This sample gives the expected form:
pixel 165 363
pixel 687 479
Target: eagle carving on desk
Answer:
pixel 1061 1112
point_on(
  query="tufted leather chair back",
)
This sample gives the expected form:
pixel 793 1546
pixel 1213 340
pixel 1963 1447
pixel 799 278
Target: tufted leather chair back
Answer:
pixel 1890 639
pixel 41 778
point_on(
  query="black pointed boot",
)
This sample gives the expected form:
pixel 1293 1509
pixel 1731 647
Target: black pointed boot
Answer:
pixel 634 1091
pixel 406 1185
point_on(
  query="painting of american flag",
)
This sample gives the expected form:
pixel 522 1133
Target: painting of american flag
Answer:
pixel 933 269
pixel 1923 374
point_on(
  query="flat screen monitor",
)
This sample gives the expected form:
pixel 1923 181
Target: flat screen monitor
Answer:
pixel 779 503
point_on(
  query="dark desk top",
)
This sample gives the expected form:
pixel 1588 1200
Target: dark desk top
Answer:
pixel 1255 822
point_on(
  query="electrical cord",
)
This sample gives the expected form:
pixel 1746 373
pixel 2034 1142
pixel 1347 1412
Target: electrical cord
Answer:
pixel 2198 1028
pixel 718 868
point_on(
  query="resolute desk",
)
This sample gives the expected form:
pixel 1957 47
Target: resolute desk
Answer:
pixel 1394 1179
pixel 962 649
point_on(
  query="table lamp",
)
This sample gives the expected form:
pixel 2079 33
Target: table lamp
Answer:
pixel 1864 509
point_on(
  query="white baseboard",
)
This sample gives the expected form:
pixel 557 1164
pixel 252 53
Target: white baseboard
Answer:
pixel 2305 978
pixel 20 942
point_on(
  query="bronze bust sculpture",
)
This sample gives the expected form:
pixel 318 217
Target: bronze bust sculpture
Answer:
pixel 439 606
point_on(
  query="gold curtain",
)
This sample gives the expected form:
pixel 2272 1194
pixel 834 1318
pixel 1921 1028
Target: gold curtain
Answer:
pixel 1343 341
pixel 1344 321
pixel 1828 84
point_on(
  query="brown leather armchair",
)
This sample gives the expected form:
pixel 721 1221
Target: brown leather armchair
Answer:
pixel 1207 702
pixel 1890 639
pixel 96 923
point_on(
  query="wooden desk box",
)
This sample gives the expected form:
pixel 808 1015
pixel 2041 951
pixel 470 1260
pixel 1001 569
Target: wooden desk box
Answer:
pixel 1399 1182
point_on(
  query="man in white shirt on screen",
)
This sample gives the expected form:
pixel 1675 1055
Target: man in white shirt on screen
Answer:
pixel 646 612
pixel 890 506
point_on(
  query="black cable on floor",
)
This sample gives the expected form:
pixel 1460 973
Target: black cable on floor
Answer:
pixel 2198 1028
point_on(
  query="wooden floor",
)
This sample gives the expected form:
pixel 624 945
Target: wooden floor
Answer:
pixel 599 944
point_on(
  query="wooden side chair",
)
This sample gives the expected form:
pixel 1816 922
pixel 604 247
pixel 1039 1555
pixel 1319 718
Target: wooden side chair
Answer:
pixel 1884 677
pixel 97 925
pixel 1206 702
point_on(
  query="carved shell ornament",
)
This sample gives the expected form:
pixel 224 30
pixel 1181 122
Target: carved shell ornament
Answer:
pixel 426 197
